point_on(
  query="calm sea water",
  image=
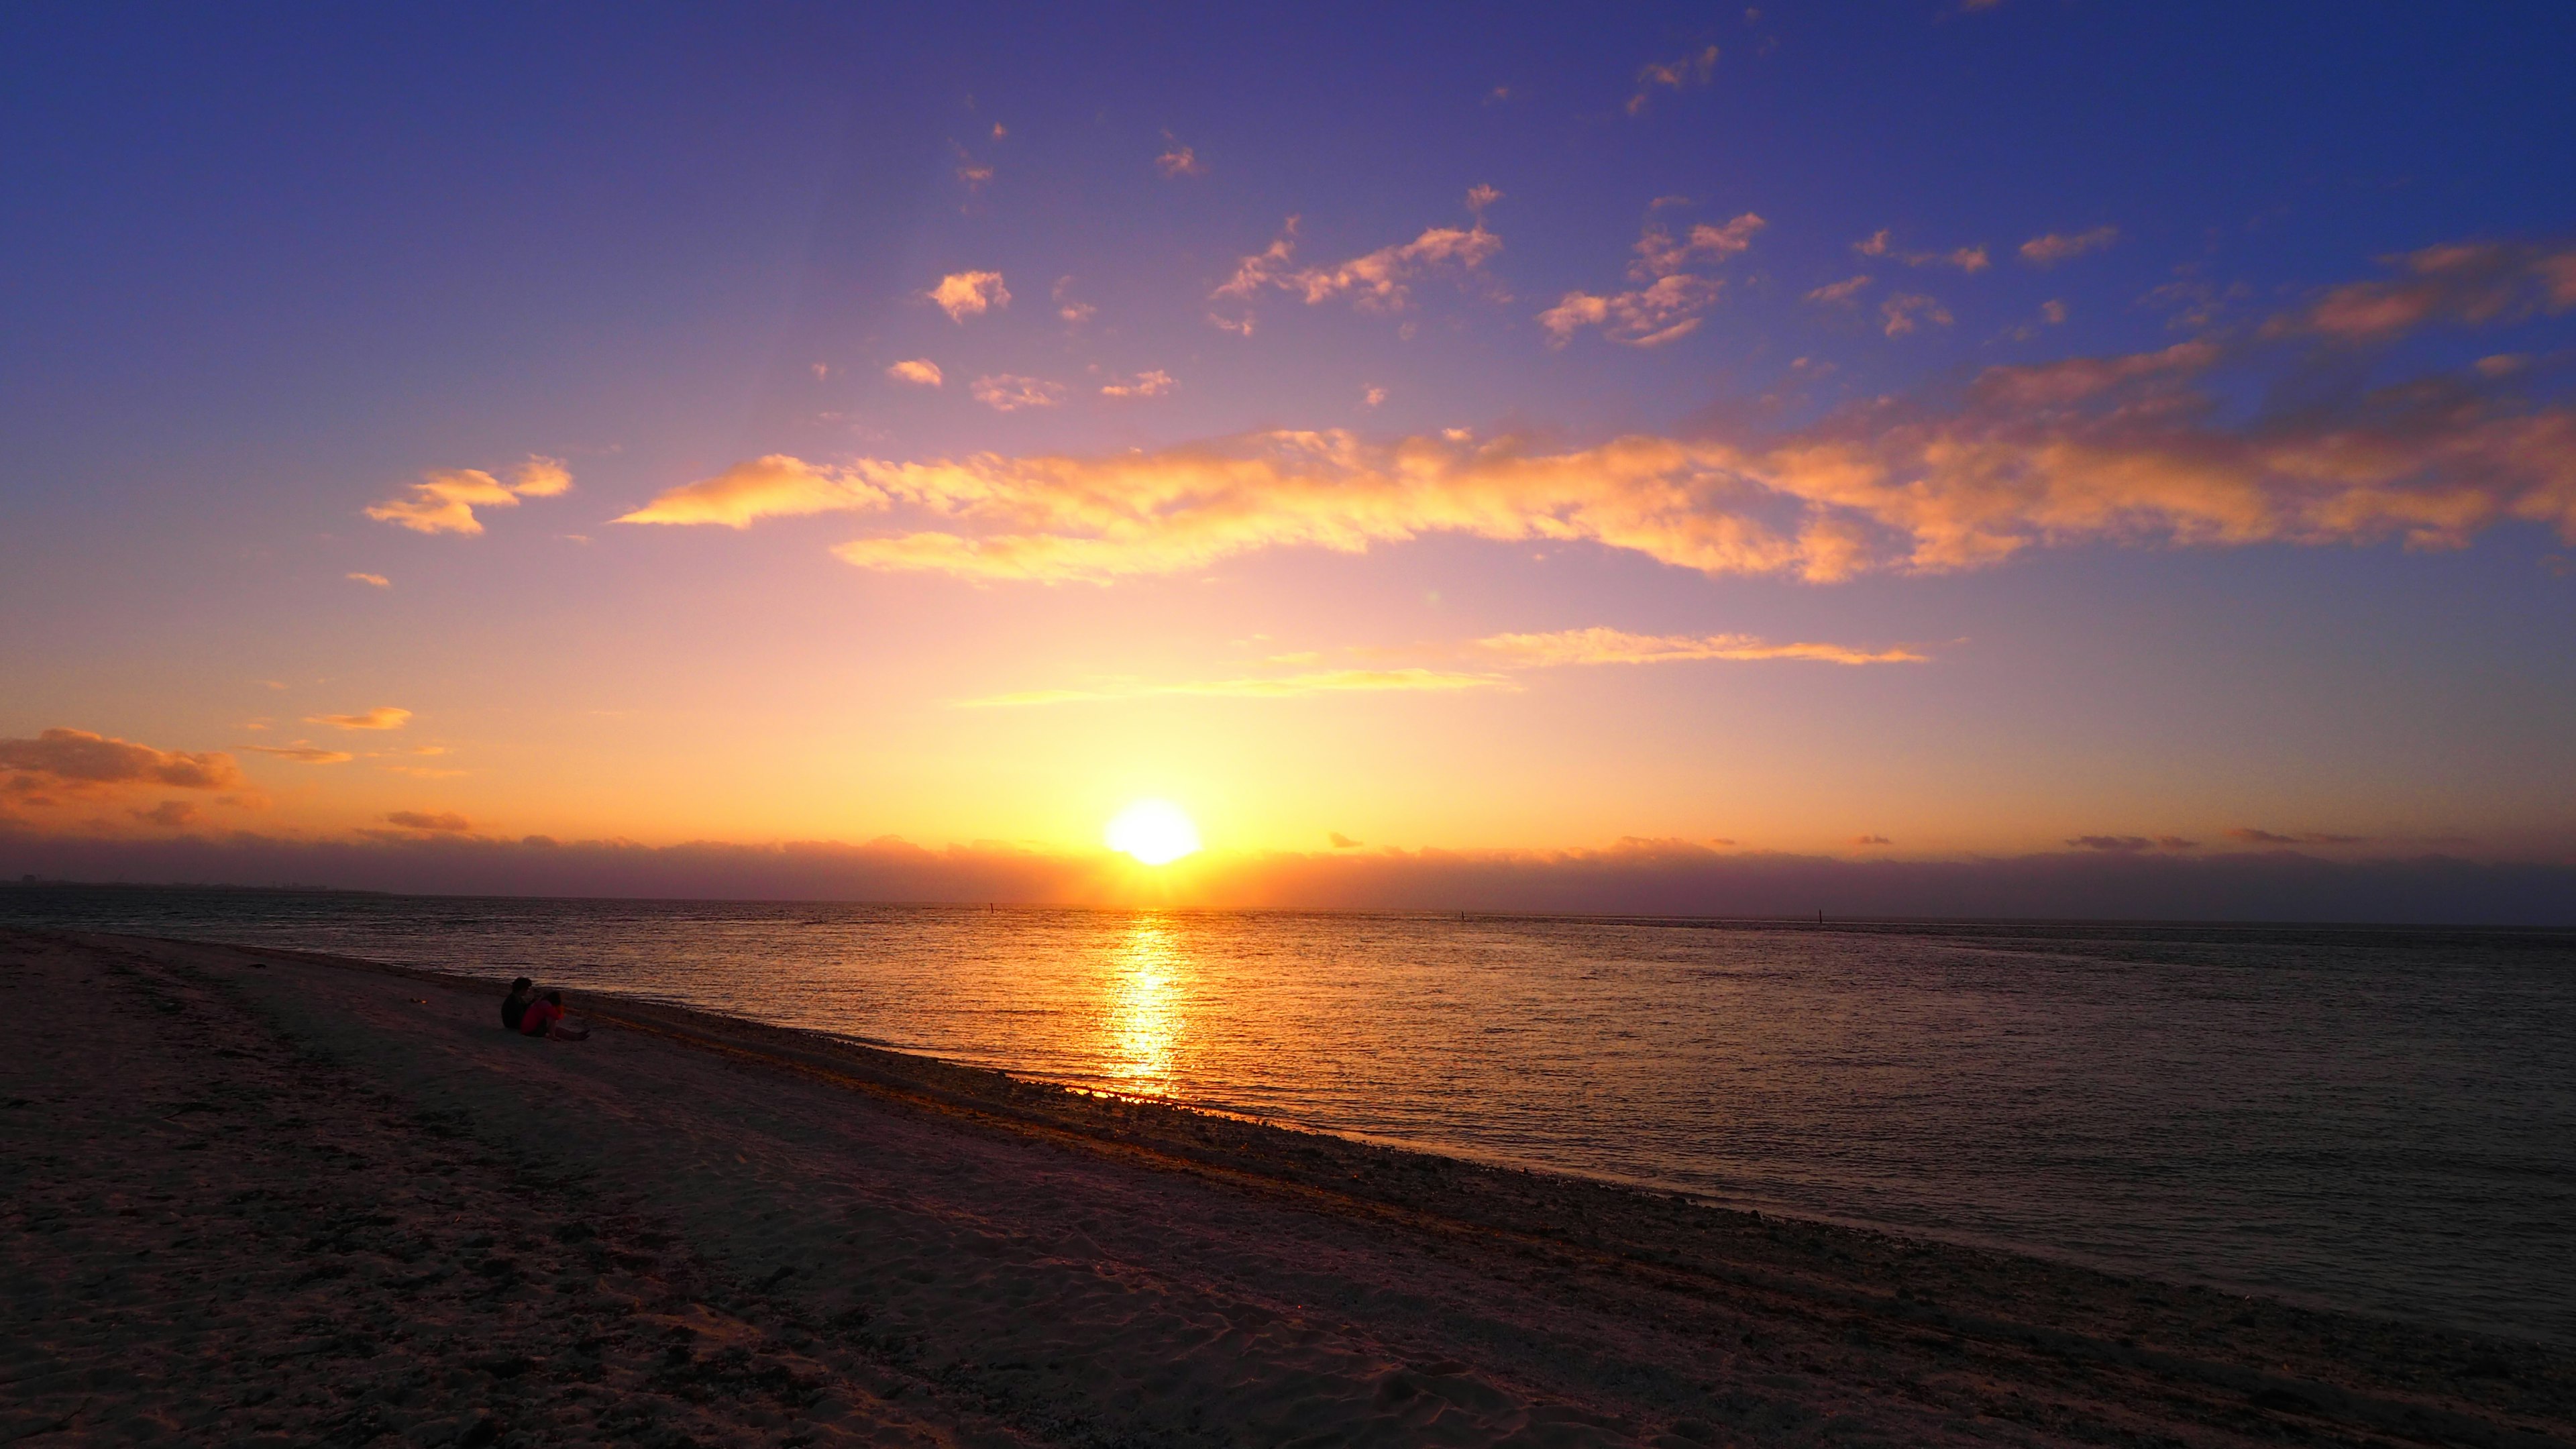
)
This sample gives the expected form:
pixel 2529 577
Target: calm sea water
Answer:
pixel 2375 1119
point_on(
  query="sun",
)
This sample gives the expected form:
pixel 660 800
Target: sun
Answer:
pixel 1153 831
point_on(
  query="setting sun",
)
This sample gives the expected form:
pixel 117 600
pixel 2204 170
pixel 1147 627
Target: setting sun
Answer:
pixel 1153 831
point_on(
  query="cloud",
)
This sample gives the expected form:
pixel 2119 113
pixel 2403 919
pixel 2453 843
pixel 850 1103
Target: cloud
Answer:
pixel 1679 75
pixel 382 717
pixel 2252 836
pixel 1381 281
pixel 444 501
pixel 771 487
pixel 1178 160
pixel 1143 384
pixel 1842 293
pixel 1906 309
pixel 1966 259
pixel 170 814
pixel 1341 841
pixel 1613 646
pixel 2049 250
pixel 1240 326
pixel 2465 283
pixel 1371 396
pixel 920 371
pixel 1871 840
pixel 1008 392
pixel 970 294
pixel 1067 308
pixel 2130 844
pixel 1481 196
pixel 446 824
pixel 379 580
pixel 78 760
pixel 1332 681
pixel 2131 449
pixel 303 754
pixel 1668 307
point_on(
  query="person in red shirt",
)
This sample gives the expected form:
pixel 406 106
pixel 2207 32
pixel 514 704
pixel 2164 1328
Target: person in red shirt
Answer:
pixel 542 1014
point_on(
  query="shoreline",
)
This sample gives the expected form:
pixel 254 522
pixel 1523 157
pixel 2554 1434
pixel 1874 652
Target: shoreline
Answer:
pixel 1394 1291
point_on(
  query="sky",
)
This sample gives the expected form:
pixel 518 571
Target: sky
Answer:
pixel 1914 433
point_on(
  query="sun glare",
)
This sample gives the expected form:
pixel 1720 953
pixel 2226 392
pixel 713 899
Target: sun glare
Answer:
pixel 1153 831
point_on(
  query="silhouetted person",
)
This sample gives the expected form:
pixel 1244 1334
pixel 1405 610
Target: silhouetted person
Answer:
pixel 514 1007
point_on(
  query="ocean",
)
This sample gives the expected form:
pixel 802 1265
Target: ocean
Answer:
pixel 2374 1119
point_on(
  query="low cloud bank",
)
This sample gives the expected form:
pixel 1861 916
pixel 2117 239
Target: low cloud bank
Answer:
pixel 1633 878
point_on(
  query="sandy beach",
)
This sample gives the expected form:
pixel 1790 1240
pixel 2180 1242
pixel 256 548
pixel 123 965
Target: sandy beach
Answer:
pixel 266 1197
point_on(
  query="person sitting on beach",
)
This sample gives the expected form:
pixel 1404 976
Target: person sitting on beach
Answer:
pixel 514 1007
pixel 546 1018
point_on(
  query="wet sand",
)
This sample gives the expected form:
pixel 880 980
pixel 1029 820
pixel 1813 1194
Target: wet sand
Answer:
pixel 267 1197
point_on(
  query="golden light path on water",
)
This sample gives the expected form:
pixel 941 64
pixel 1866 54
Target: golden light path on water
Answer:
pixel 1144 1022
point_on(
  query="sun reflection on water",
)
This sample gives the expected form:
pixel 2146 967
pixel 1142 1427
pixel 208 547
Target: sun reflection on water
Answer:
pixel 1143 1024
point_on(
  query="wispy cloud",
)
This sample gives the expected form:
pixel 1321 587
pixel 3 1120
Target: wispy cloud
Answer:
pixel 2049 250
pixel 169 814
pixel 919 371
pixel 1066 307
pixel 378 580
pixel 1008 392
pixel 1380 281
pixel 1966 259
pixel 2131 844
pixel 382 717
pixel 2252 836
pixel 1670 305
pixel 1178 161
pixel 444 501
pixel 970 294
pixel 1676 75
pixel 2130 448
pixel 1331 681
pixel 1143 384
pixel 1614 646
pixel 303 754
pixel 1840 294
pixel 1906 310
pixel 2466 284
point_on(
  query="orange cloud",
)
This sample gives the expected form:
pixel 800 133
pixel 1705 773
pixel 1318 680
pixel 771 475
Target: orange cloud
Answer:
pixel 1871 840
pixel 2049 250
pixel 1613 646
pixel 969 294
pixel 1966 259
pixel 170 814
pixel 447 824
pixel 1669 306
pixel 1906 309
pixel 2466 283
pixel 1335 681
pixel 1679 75
pixel 1341 841
pixel 1381 281
pixel 920 371
pixel 2131 844
pixel 382 717
pixel 378 580
pixel 1143 384
pixel 771 487
pixel 79 761
pixel 1009 392
pixel 444 501
pixel 2121 449
pixel 1178 160
pixel 1842 293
